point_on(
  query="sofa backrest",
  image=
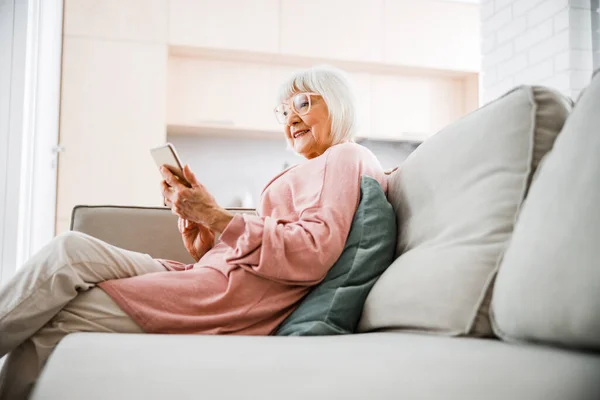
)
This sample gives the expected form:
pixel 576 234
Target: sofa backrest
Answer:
pixel 150 230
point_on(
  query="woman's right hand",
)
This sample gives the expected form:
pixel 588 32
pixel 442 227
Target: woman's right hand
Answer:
pixel 197 238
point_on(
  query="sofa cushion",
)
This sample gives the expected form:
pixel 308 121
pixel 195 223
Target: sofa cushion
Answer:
pixel 548 285
pixel 334 306
pixel 456 198
pixel 101 366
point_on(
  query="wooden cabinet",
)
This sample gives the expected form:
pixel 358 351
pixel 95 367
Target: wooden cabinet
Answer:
pixel 249 25
pixel 136 20
pixel 230 57
pixel 112 112
pixel 432 34
pixel 333 29
pixel 228 94
pixel 398 107
pixel 425 34
pixel 414 107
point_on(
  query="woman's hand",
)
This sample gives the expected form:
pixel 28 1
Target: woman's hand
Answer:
pixel 194 204
pixel 197 238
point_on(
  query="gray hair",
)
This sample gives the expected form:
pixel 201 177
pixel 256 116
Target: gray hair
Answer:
pixel 336 89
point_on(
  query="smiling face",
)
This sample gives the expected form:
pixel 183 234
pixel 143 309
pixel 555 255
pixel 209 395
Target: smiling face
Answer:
pixel 310 134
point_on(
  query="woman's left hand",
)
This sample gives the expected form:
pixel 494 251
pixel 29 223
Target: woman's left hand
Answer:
pixel 195 203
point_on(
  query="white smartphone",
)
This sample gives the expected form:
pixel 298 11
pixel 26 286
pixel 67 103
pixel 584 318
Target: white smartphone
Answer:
pixel 167 155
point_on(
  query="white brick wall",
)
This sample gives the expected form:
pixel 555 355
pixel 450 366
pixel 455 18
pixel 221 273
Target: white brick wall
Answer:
pixel 545 11
pixel 514 28
pixel 534 35
pixel 555 44
pixel 544 42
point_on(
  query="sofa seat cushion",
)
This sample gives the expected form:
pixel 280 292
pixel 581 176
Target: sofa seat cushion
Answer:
pixel 362 366
pixel 456 198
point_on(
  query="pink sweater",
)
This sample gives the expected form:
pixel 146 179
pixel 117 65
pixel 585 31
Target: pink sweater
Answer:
pixel 262 266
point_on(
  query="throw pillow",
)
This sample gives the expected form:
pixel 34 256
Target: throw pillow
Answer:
pixel 456 198
pixel 334 306
pixel 548 285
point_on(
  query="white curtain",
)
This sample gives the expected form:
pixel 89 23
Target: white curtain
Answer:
pixel 30 58
pixel 595 6
pixel 13 38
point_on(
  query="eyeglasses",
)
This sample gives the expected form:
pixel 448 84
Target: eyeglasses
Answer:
pixel 299 103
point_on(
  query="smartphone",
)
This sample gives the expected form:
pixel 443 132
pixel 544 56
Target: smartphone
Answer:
pixel 167 155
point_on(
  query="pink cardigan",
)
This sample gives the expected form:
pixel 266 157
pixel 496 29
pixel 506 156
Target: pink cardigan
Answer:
pixel 262 266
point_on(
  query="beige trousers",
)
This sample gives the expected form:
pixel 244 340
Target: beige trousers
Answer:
pixel 54 294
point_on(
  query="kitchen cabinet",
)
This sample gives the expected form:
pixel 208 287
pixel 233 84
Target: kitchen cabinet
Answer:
pixel 425 34
pixel 432 34
pixel 136 20
pixel 242 95
pixel 414 107
pixel 248 25
pixel 228 97
pixel 333 29
pixel 112 112
pixel 224 96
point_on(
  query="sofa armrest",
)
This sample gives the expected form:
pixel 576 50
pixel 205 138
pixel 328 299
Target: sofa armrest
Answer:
pixel 150 230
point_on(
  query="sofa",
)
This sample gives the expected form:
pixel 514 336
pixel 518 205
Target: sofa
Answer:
pixel 494 292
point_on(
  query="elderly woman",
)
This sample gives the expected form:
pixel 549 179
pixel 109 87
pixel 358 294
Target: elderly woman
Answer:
pixel 246 284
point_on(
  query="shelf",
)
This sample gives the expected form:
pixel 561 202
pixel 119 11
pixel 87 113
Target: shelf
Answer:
pixel 223 131
pixel 413 138
pixel 233 131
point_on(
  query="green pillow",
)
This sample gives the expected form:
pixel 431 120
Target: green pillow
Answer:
pixel 335 305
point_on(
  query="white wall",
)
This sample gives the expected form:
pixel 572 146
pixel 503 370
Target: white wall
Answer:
pixel 547 42
pixel 390 153
pixel 231 167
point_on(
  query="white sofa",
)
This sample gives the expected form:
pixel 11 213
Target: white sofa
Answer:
pixel 417 340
